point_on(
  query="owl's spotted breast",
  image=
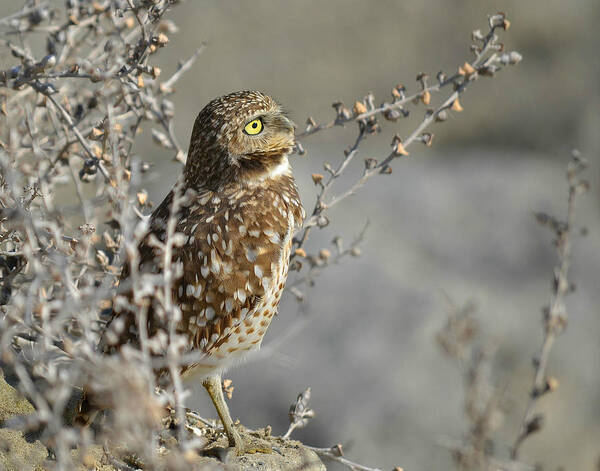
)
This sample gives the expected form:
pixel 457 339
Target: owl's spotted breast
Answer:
pixel 234 263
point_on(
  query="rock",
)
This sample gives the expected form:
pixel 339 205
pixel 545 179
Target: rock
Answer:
pixel 16 453
pixel 12 401
pixel 284 454
pixel 270 453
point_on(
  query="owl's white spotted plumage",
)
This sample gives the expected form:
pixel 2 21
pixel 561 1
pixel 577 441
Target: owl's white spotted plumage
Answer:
pixel 240 211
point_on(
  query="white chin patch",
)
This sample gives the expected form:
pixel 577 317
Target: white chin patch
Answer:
pixel 281 169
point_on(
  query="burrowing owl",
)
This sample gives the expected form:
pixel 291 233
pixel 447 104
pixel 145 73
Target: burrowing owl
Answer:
pixel 240 211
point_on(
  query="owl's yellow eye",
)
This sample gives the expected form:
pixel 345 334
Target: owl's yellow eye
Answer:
pixel 253 127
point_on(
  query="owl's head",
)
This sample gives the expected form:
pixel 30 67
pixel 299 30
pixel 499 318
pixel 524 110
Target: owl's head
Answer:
pixel 238 137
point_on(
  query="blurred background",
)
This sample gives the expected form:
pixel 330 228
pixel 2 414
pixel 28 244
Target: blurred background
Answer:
pixel 452 221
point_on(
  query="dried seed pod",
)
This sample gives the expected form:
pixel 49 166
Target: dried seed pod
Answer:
pixel 397 146
pixel 456 106
pixel 359 108
pixel 426 138
pixel 466 69
pixel 142 197
pixel 398 92
pixel 392 114
pixel 161 40
pixel 370 163
pixel 324 254
pixel 317 178
pixel 322 221
pixel 300 252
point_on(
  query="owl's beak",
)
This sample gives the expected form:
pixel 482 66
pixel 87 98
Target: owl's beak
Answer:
pixel 285 124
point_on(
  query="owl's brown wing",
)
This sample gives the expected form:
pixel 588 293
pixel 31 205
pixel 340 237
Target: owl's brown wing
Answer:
pixel 230 258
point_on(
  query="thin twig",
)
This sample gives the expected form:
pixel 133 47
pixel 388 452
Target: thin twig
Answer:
pixel 555 314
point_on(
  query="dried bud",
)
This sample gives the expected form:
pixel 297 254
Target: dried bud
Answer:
pixel 95 134
pixel 310 123
pixel 161 40
pixel 317 178
pixel 426 97
pixel 355 252
pixel 467 70
pixel 337 450
pixel 322 221
pixel 456 106
pixel 552 383
pixel 398 147
pixel 426 138
pixel 398 92
pixel 386 170
pixel 300 252
pixel 392 114
pixel 324 254
pixel 370 163
pixel 129 22
pixel 142 197
pixel 441 116
pixel 359 108
pixel 441 77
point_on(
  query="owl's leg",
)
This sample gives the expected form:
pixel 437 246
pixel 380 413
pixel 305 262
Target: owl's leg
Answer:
pixel 215 391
